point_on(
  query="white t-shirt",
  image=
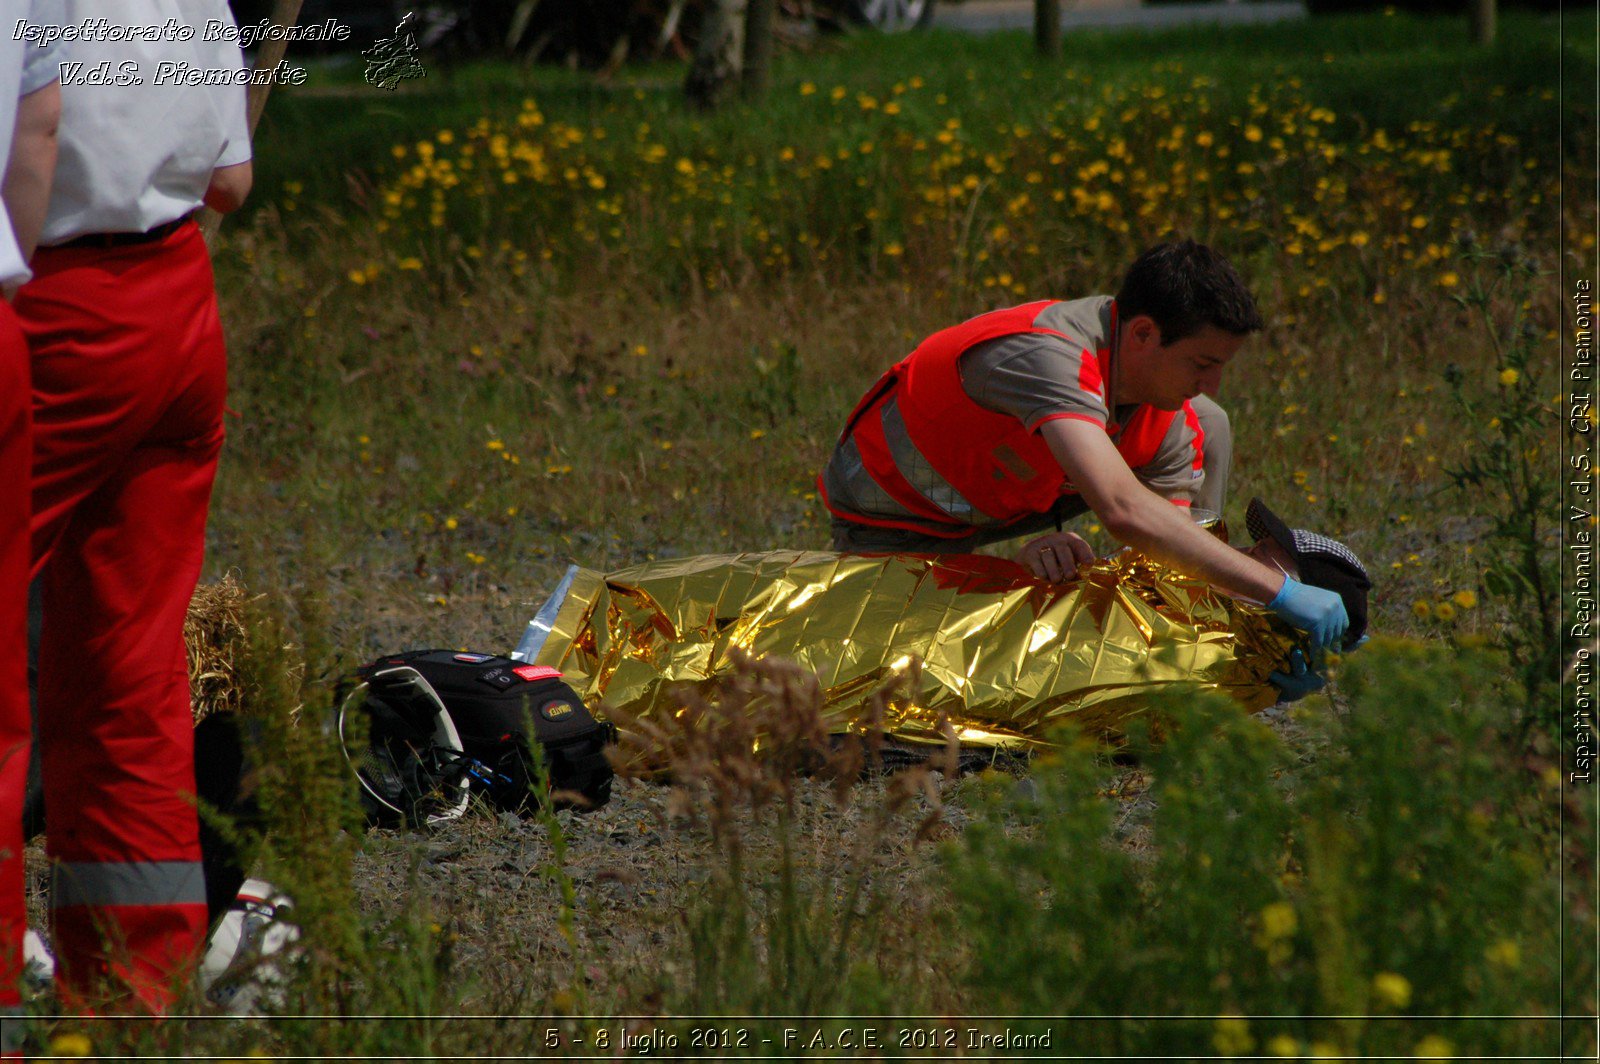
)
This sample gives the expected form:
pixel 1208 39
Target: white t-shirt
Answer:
pixel 23 71
pixel 139 153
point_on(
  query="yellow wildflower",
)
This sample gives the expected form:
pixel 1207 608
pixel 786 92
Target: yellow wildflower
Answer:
pixel 1504 953
pixel 1466 599
pixel 1434 1048
pixel 1509 376
pixel 70 1044
pixel 1232 1036
pixel 1392 989
pixel 1278 920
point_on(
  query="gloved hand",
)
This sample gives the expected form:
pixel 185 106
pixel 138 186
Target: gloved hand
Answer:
pixel 1316 611
pixel 1299 681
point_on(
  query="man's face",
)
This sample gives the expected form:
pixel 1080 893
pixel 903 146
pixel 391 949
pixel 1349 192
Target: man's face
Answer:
pixel 1165 375
pixel 1193 365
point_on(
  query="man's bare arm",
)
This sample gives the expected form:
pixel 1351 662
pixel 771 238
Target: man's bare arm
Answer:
pixel 32 165
pixel 1140 518
pixel 229 187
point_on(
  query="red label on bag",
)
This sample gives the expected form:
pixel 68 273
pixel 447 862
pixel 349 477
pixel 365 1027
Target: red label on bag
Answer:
pixel 537 672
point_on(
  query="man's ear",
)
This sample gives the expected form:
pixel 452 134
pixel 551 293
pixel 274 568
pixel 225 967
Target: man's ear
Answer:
pixel 1142 334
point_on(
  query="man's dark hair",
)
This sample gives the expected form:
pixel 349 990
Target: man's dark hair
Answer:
pixel 1183 285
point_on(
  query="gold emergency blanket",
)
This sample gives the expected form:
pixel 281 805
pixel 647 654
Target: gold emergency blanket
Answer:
pixel 1005 657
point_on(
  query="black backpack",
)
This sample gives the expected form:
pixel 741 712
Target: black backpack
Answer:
pixel 444 724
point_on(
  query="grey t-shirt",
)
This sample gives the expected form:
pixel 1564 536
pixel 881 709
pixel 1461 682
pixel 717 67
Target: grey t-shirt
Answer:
pixel 1036 377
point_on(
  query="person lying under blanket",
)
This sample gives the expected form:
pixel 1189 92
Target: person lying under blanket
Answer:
pixel 1005 655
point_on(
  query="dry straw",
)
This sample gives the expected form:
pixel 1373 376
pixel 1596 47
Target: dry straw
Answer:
pixel 216 639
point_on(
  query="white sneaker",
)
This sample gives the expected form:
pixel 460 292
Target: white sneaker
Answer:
pixel 38 963
pixel 239 974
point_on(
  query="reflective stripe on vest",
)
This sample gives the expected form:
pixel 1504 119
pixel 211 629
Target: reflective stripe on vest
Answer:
pixel 954 464
pixel 127 883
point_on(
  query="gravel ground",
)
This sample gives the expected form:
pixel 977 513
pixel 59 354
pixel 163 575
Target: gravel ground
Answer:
pixel 637 865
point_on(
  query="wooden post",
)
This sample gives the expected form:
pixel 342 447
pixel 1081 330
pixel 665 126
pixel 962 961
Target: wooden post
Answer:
pixel 719 54
pixel 758 47
pixel 268 56
pixel 1047 28
pixel 1483 18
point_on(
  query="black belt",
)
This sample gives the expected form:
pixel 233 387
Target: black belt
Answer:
pixel 122 240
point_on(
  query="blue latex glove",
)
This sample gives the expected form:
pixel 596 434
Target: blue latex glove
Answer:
pixel 1316 611
pixel 1299 681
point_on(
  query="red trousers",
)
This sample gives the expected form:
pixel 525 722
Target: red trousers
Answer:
pixel 14 725
pixel 129 379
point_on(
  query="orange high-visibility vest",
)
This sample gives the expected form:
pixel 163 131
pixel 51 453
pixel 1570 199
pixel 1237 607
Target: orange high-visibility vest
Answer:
pixel 955 464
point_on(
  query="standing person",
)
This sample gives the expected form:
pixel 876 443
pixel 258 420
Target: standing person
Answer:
pixel 30 106
pixel 129 380
pixel 1009 423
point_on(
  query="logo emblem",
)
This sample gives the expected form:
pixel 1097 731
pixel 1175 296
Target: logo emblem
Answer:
pixel 555 710
pixel 537 672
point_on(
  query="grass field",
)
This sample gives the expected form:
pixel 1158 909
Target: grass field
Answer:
pixel 509 319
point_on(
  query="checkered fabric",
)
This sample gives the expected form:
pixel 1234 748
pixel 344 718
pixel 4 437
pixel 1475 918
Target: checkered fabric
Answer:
pixel 1258 521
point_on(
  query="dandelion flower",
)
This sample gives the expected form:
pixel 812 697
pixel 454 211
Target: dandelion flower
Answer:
pixel 1232 1036
pixel 1509 376
pixel 1278 920
pixel 70 1044
pixel 1421 610
pixel 1434 1048
pixel 1466 599
pixel 1392 989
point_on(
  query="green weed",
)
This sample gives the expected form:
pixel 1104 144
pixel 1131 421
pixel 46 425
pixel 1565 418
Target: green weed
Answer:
pixel 1408 869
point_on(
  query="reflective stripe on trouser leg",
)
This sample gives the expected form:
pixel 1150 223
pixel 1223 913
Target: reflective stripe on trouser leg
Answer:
pixel 15 736
pixel 129 382
pixel 138 924
pixel 1217 453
